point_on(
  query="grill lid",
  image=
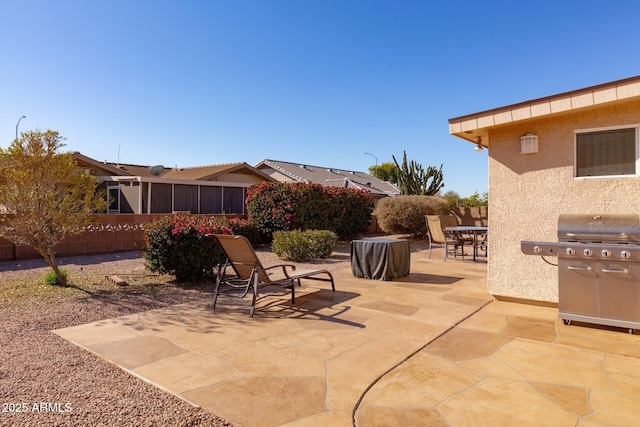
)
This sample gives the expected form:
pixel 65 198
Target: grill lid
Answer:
pixel 612 228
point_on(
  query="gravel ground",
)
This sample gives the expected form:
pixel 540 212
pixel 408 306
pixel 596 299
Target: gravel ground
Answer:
pixel 47 381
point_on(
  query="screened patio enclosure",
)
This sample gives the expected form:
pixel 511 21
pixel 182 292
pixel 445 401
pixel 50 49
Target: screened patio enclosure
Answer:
pixel 144 195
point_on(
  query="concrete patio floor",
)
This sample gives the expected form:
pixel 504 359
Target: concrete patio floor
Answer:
pixel 432 349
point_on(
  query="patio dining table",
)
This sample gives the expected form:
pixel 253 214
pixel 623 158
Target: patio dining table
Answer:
pixel 479 234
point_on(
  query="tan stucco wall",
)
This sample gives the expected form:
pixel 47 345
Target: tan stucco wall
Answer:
pixel 528 192
pixel 245 178
pixel 280 177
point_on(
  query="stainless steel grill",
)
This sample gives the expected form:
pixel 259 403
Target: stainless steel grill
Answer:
pixel 598 268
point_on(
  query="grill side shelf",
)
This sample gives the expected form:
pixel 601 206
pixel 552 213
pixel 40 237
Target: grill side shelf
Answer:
pixel 539 248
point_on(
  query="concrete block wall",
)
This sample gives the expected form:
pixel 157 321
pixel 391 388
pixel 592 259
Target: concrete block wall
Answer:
pixel 475 216
pixel 111 233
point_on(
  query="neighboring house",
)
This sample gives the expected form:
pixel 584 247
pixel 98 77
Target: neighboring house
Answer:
pixel 299 172
pixel 541 165
pixel 216 189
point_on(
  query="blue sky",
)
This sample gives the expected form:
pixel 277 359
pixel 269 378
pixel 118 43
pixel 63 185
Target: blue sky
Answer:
pixel 321 82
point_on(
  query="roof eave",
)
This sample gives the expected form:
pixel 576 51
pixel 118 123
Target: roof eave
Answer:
pixel 473 126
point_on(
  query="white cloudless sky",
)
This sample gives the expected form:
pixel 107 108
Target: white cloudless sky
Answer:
pixel 322 82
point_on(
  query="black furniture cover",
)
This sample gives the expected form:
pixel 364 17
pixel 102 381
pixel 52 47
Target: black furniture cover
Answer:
pixel 380 259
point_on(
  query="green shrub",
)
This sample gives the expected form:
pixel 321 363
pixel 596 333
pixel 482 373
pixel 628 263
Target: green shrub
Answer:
pixel 243 227
pixel 405 214
pixel 303 246
pixel 51 278
pixel 178 245
pixel 284 207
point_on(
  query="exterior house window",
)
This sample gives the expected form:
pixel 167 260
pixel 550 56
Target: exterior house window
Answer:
pixel 113 198
pixel 210 200
pixel 185 198
pixel 161 195
pixel 233 200
pixel 606 152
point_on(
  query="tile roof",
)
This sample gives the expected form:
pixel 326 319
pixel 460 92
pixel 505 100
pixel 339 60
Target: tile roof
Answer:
pixel 300 172
pixel 203 172
pixel 194 173
pixel 132 170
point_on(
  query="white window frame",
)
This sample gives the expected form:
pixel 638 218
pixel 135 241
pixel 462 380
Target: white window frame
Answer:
pixel 636 127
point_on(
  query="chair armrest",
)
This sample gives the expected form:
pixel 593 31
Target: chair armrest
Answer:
pixel 283 266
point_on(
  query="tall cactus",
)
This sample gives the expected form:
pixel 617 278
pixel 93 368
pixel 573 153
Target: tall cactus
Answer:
pixel 413 180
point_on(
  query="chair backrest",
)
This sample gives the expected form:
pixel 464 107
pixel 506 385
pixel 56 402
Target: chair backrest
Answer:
pixel 242 258
pixel 435 228
pixel 448 221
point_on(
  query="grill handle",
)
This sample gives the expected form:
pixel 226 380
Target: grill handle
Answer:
pixel 580 236
pixel 623 271
pixel 573 267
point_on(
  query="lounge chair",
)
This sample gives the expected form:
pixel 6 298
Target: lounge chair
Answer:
pixel 437 235
pixel 250 275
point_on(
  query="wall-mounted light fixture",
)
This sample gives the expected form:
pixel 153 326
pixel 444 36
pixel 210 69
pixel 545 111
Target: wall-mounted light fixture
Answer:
pixel 478 144
pixel 529 144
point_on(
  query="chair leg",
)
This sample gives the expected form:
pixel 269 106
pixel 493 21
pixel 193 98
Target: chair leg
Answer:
pixel 293 291
pixel 255 294
pixel 215 291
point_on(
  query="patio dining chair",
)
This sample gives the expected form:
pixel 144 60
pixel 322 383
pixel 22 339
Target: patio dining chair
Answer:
pixel 437 235
pixel 483 243
pixel 249 275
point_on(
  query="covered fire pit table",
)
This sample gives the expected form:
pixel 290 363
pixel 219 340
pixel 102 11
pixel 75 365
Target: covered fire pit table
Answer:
pixel 380 259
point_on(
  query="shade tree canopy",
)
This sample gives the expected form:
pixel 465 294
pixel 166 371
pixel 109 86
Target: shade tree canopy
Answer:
pixel 44 196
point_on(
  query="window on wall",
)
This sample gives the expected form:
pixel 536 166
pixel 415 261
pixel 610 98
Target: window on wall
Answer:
pixel 233 200
pixel 606 152
pixel 222 200
pixel 211 200
pixel 185 198
pixel 161 198
pixel 113 198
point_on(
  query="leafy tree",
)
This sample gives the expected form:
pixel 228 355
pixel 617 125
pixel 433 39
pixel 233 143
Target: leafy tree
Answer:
pixel 387 171
pixel 452 198
pixel 44 196
pixel 475 200
pixel 414 180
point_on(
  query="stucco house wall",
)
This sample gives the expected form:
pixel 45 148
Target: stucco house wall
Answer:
pixel 278 176
pixel 527 193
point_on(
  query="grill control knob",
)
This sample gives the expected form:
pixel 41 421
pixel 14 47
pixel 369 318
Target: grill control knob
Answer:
pixel 606 253
pixel 588 252
pixel 570 251
pixel 625 254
